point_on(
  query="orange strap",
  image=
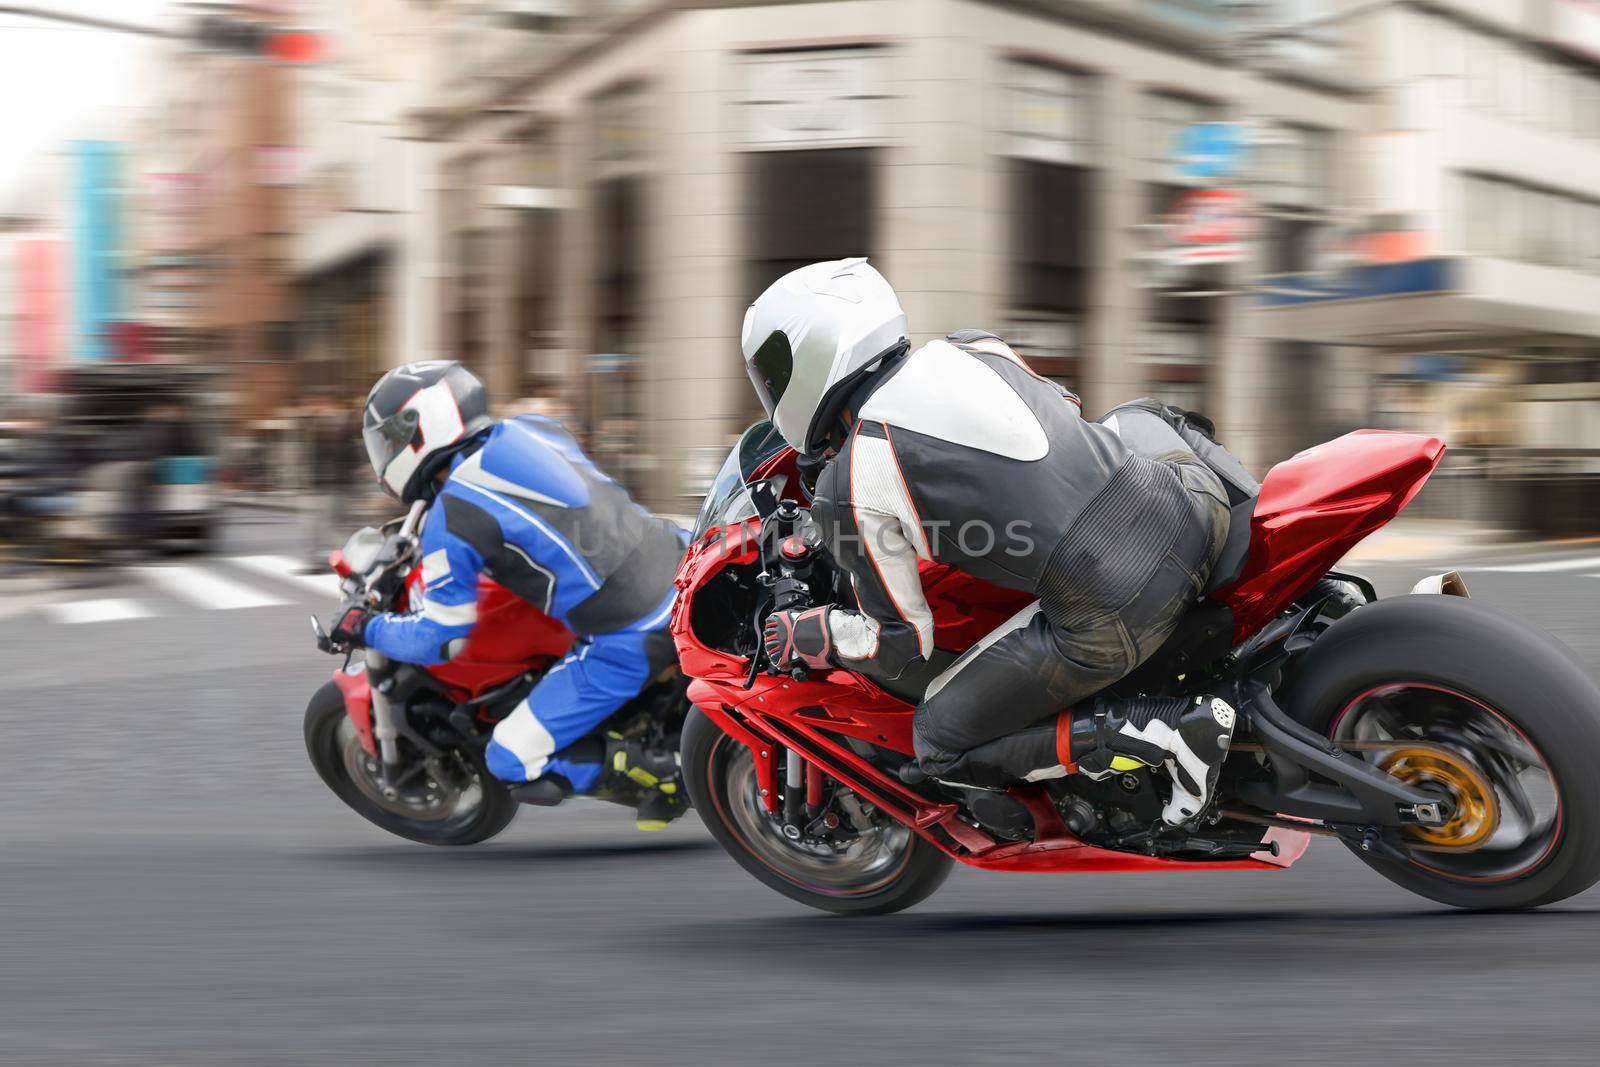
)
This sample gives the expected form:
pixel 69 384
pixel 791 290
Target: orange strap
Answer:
pixel 1064 741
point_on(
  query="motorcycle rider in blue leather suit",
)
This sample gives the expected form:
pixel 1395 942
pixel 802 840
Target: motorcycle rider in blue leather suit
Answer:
pixel 519 502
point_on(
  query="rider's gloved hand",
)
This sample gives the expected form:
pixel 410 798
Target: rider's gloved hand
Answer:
pixel 350 628
pixel 795 638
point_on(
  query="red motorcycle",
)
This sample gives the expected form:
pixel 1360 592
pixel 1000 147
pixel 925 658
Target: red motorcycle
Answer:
pixel 403 745
pixel 1450 746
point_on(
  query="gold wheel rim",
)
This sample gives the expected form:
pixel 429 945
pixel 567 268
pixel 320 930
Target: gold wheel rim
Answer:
pixel 1476 813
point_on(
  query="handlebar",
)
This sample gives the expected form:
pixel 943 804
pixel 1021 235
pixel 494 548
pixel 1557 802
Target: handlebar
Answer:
pixel 791 550
pixel 377 588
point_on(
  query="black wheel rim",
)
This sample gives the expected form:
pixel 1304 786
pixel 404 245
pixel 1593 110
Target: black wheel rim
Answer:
pixel 1526 791
pixel 437 800
pixel 871 864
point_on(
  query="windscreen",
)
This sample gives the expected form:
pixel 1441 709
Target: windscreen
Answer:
pixel 728 500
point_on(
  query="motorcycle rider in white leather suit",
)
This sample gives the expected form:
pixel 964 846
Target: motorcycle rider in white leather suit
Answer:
pixel 956 453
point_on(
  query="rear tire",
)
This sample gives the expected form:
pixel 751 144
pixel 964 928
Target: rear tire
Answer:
pixel 1475 655
pixel 708 756
pixel 327 745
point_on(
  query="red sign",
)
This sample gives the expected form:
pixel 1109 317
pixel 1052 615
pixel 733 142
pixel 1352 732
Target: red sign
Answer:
pixel 1209 225
pixel 41 311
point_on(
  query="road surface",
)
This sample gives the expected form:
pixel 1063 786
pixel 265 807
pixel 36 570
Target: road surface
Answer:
pixel 179 888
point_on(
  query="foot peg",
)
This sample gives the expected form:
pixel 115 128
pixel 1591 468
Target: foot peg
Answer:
pixel 541 792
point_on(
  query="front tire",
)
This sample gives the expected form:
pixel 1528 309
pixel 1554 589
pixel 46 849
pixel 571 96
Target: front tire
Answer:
pixel 476 813
pixel 1511 699
pixel 901 869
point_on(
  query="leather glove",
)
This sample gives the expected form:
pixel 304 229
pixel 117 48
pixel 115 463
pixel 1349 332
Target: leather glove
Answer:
pixel 799 638
pixel 350 628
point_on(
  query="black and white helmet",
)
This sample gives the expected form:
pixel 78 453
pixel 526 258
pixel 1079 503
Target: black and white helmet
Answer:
pixel 416 417
pixel 811 337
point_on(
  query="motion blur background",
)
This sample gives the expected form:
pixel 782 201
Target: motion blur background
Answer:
pixel 219 223
pixel 1300 217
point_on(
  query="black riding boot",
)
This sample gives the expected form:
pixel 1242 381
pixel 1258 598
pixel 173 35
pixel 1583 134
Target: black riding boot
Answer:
pixel 653 773
pixel 1189 737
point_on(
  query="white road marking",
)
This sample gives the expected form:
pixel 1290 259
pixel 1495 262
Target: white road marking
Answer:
pixel 1569 563
pixel 204 589
pixel 113 610
pixel 326 583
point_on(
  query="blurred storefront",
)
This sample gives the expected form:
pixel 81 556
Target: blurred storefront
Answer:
pixel 995 160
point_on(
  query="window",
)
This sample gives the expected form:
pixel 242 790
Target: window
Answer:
pixel 621 131
pixel 1293 167
pixel 807 206
pixel 1513 221
pixel 1586 104
pixel 1174 358
pixel 1049 123
pixel 1047 113
pixel 1503 76
pixel 1049 240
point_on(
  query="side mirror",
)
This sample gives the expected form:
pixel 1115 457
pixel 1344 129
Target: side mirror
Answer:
pixel 767 494
pixel 362 550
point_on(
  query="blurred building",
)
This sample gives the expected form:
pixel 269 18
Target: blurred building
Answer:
pixel 612 200
pixel 218 151
pixel 358 259
pixel 1482 316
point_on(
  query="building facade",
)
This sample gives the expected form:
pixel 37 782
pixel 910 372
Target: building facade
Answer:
pixel 1483 139
pixel 610 210
pixel 214 158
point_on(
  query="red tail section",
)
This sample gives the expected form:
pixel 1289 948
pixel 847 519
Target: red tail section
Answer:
pixel 1316 506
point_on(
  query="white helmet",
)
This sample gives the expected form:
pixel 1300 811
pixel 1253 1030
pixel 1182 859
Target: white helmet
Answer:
pixel 811 336
pixel 416 418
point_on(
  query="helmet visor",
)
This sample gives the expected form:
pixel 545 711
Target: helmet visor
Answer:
pixel 770 370
pixel 387 438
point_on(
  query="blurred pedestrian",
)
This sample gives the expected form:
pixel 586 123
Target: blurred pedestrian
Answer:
pixel 162 432
pixel 545 398
pixel 330 429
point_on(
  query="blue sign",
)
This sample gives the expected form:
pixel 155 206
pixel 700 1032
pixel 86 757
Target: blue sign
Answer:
pixel 96 247
pixel 1410 278
pixel 1210 150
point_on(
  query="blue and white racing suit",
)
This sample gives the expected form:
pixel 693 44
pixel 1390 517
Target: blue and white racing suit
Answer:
pixel 530 510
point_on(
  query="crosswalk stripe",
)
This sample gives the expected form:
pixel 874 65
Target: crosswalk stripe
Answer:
pixel 109 610
pixel 282 567
pixel 207 590
pixel 1569 563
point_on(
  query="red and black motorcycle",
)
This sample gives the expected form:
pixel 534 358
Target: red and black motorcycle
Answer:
pixel 1451 747
pixel 403 745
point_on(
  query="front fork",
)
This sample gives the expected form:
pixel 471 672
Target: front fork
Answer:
pixel 385 726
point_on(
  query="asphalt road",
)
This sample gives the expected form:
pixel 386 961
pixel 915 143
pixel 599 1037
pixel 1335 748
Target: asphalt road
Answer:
pixel 177 887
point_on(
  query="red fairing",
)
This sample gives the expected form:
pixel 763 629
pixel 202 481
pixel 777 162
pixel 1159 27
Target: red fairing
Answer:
pixel 357 693
pixel 813 717
pixel 1316 506
pixel 512 636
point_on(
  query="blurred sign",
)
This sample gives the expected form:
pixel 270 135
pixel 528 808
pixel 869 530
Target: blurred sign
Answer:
pixel 1207 151
pixel 40 326
pixel 821 95
pixel 96 245
pixel 249 37
pixel 1209 226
